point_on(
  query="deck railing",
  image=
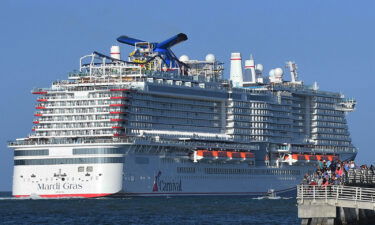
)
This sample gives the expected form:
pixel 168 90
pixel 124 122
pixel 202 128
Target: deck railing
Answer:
pixel 335 192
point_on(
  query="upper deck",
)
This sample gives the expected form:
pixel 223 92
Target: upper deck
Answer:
pixel 155 96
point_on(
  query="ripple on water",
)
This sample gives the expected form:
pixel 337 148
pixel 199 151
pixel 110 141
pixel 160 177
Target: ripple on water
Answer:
pixel 154 210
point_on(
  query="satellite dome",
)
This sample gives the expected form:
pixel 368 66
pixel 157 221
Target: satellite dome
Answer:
pixel 259 67
pixel 272 73
pixel 184 58
pixel 278 72
pixel 210 58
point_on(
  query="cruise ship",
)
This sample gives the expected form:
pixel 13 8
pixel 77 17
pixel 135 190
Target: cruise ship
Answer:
pixel 153 124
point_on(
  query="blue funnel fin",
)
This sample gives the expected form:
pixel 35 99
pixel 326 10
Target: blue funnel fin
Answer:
pixel 128 40
pixel 172 41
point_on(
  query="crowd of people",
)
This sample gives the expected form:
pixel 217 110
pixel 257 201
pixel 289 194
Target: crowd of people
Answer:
pixel 337 173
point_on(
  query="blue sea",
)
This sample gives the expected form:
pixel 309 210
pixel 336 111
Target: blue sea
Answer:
pixel 152 210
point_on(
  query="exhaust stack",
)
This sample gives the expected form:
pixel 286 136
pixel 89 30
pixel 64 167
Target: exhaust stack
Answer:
pixel 236 69
pixel 250 65
pixel 115 52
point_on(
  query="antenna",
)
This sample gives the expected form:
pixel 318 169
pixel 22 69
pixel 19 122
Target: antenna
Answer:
pixel 293 71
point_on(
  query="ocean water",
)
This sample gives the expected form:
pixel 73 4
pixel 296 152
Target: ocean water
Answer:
pixel 152 210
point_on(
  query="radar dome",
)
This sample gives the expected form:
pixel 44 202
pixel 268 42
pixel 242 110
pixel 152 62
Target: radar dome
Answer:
pixel 210 58
pixel 259 67
pixel 184 58
pixel 272 73
pixel 278 72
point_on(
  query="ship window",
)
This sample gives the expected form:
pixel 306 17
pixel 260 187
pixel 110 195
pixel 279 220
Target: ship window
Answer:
pixel 185 169
pixel 54 161
pixel 89 169
pixel 81 169
pixel 35 152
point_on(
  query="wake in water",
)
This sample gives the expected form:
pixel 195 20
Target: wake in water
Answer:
pixel 272 198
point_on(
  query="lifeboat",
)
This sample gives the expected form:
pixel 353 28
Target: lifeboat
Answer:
pixel 234 155
pixel 198 155
pixel 298 157
pixel 313 158
pixel 332 157
pixel 207 154
pixel 222 155
pixel 247 156
pixel 215 155
pixel 293 158
pixel 202 155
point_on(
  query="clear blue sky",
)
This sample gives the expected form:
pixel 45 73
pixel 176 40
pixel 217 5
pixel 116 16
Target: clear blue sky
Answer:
pixel 333 42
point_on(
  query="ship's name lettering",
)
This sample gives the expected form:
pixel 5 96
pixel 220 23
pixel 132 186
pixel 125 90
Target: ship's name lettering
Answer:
pixel 169 186
pixel 59 186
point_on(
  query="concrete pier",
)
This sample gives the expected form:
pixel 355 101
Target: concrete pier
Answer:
pixel 335 205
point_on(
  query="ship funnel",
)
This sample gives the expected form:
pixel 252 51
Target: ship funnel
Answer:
pixel 247 72
pixel 236 69
pixel 250 65
pixel 115 52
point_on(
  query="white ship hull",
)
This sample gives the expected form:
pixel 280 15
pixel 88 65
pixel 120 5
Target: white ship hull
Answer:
pixel 75 184
pixel 206 178
pixel 153 175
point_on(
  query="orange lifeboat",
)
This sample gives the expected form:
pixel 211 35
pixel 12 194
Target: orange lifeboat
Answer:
pixel 313 158
pixel 298 157
pixel 236 155
pixel 202 154
pixel 222 154
pixel 332 157
pixel 215 154
pixel 207 154
pixel 247 155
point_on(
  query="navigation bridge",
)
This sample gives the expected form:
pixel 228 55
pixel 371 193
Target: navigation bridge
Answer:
pixel 335 204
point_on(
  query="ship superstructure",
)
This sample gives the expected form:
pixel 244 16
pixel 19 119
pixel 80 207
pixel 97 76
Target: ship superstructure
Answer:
pixel 156 124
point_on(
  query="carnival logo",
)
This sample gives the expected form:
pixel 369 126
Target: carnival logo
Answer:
pixel 161 185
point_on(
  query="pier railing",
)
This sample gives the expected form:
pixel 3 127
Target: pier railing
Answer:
pixel 338 195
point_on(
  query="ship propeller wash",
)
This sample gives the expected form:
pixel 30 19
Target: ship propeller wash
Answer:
pixel 154 124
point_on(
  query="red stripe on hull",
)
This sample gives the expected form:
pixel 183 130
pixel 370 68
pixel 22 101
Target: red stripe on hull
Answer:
pixel 119 97
pixel 114 105
pixel 66 195
pixel 117 120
